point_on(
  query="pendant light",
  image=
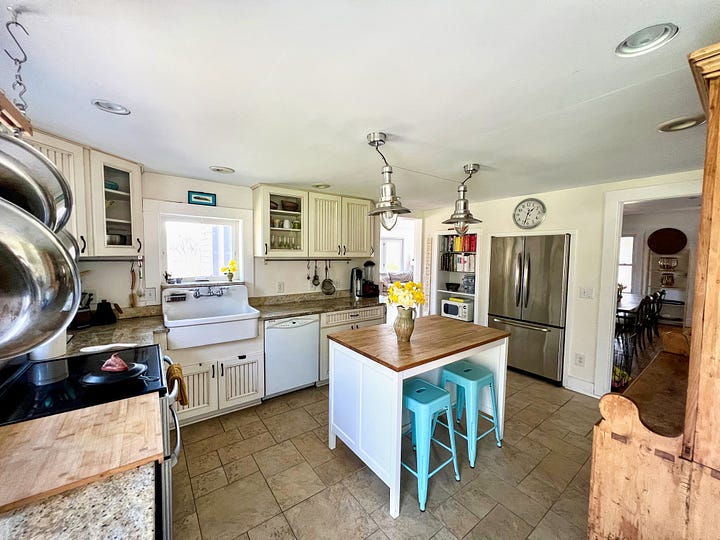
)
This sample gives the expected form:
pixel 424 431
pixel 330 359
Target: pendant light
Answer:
pixel 388 206
pixel 461 217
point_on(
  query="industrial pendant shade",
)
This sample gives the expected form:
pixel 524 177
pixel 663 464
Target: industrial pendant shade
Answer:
pixel 462 217
pixel 388 206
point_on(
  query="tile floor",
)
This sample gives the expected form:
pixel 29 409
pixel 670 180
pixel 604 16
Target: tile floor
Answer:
pixel 266 472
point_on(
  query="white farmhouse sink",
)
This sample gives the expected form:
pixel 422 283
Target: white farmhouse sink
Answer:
pixel 208 314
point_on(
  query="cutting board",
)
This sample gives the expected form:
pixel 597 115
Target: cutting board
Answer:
pixel 47 456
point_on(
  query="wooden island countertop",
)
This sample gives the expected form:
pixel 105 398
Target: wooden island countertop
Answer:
pixel 434 337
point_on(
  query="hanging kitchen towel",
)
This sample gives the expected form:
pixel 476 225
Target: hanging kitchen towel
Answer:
pixel 175 376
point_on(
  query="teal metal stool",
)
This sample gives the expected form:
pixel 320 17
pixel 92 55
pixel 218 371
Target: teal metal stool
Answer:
pixel 426 401
pixel 469 379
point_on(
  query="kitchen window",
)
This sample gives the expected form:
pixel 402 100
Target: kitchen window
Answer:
pixel 195 246
pixel 392 251
pixel 625 262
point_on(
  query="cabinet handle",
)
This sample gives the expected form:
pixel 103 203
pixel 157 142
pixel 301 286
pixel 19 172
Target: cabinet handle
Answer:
pixel 213 372
pixel 338 249
pixel 265 248
pixel 242 356
pixel 353 315
pixel 344 250
pixel 222 369
pixel 372 251
pixel 84 244
pixel 139 245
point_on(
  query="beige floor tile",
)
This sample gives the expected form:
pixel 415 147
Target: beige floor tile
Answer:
pixel 500 523
pixel 201 464
pixel 239 418
pixel 444 534
pixel 562 447
pixel 579 441
pixel 236 508
pixel 201 430
pixel 515 430
pixel 411 523
pixel 186 528
pixel 304 397
pixel 312 448
pixel 240 468
pixel 547 392
pixel 277 458
pixel 332 514
pixel 536 485
pixel 547 429
pixel 458 519
pixel 271 407
pixel 475 500
pixel 368 489
pixel 573 506
pixel 436 493
pixel 294 485
pixel 557 470
pixel 511 497
pixel 532 416
pixel 253 429
pixel 183 503
pixel 276 528
pixel 342 465
pixel 245 447
pixel 208 481
pixel 554 527
pixel 319 411
pixel 205 446
pixel 289 424
pixel 507 462
pixel 377 535
pixel 532 448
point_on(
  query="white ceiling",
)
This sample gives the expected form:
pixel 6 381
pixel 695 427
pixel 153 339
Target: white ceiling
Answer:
pixel 285 92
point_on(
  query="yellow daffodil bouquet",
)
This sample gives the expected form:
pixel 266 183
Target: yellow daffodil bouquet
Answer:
pixel 230 269
pixel 409 295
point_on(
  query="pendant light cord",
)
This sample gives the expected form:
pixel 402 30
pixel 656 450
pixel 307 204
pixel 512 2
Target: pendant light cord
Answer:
pixel 381 155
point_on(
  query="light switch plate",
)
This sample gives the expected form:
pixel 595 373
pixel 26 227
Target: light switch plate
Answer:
pixel 586 292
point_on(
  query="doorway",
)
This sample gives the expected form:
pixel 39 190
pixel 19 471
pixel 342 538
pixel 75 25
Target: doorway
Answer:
pixel 400 251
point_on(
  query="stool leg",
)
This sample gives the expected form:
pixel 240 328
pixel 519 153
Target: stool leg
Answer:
pixel 460 401
pixel 451 432
pixel 413 429
pixel 422 423
pixel 471 420
pixel 494 413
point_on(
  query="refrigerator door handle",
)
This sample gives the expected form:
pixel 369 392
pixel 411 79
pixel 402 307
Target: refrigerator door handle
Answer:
pixel 526 280
pixel 518 265
pixel 521 325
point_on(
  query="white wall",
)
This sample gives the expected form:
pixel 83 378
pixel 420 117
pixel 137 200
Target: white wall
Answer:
pixel 580 212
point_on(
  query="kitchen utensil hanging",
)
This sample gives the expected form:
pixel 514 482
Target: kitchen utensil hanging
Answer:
pixel 316 279
pixel 308 270
pixel 328 287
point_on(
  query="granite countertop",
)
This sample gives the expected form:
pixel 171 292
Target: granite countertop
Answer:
pixel 121 506
pixel 138 330
pixel 313 306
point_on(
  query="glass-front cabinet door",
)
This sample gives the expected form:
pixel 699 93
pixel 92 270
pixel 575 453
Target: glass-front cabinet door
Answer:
pixel 280 222
pixel 117 205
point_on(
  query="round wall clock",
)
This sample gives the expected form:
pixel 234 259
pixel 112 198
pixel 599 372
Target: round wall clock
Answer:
pixel 529 213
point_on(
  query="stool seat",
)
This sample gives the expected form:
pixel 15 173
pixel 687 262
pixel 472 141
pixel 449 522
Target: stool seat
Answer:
pixel 426 401
pixel 470 379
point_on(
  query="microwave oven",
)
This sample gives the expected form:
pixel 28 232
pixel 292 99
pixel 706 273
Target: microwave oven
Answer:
pixel 457 309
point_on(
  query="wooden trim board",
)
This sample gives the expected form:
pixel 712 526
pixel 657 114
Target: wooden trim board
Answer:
pixel 50 455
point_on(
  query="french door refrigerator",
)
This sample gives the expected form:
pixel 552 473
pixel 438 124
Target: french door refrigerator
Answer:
pixel 528 291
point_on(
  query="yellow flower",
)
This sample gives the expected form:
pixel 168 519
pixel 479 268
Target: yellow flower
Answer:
pixel 230 267
pixel 409 295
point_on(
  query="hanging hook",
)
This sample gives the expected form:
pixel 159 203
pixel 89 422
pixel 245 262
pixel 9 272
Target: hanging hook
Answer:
pixel 22 59
pixel 18 85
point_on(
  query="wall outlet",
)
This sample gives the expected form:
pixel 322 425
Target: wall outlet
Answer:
pixel 151 295
pixel 579 359
pixel 586 292
pixel 280 287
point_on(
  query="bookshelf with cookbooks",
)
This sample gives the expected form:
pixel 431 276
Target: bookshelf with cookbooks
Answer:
pixel 455 263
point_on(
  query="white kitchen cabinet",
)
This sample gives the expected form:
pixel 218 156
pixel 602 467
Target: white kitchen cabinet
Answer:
pixel 241 379
pixel 339 321
pixel 116 205
pixel 68 158
pixel 339 226
pixel 202 389
pixel 280 222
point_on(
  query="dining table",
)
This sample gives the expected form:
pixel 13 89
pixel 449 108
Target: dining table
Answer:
pixel 629 303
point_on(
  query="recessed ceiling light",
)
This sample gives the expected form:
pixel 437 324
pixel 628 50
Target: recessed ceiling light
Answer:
pixel 321 186
pixel 222 170
pixel 678 124
pixel 110 107
pixel 646 40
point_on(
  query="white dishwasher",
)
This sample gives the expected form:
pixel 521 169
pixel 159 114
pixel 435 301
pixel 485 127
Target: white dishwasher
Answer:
pixel 291 354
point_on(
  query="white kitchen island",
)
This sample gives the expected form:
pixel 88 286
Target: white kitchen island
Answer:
pixel 367 370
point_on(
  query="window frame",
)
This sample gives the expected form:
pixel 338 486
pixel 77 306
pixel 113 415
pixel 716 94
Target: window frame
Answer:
pixel 632 264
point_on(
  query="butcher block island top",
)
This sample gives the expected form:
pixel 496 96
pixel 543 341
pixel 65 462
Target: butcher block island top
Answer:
pixel 50 455
pixel 434 337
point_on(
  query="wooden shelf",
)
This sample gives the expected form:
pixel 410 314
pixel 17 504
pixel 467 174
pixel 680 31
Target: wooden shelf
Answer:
pixel 115 220
pixel 285 212
pixel 116 195
pixel 458 293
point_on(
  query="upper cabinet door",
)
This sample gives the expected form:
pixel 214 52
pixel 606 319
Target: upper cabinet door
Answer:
pixel 68 158
pixel 281 218
pixel 116 205
pixel 324 228
pixel 357 228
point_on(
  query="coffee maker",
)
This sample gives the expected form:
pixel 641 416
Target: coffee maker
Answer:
pixel 369 288
pixel 356 282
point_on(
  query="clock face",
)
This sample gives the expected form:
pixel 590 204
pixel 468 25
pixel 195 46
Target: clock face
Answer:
pixel 529 213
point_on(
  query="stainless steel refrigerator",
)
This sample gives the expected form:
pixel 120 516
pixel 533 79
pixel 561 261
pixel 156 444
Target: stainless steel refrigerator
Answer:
pixel 528 292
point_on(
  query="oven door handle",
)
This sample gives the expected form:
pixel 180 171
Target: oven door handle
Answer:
pixel 178 442
pixel 176 387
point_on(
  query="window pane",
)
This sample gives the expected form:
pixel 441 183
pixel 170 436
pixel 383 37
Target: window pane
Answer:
pixel 391 255
pixel 625 277
pixel 626 249
pixel 196 248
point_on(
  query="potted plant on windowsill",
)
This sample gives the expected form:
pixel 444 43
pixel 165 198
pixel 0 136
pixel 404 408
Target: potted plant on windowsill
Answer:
pixel 230 269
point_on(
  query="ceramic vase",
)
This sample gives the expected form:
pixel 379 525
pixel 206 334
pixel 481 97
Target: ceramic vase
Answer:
pixel 404 324
pixel 229 276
